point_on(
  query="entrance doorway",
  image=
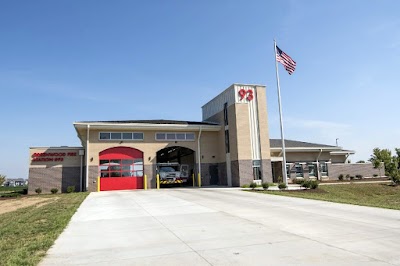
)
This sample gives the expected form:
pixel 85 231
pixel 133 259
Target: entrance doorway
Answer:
pixel 213 169
pixel 175 166
pixel 121 168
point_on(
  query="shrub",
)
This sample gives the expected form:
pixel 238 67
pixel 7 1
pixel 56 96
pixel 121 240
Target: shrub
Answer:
pixel 306 183
pixel 70 189
pixel 375 175
pixel 351 177
pixel 54 190
pixel 38 190
pixel 253 185
pixel 282 186
pixel 359 176
pixel 265 186
pixel 347 177
pixel 245 186
pixel 24 191
pixel 314 184
pixel 298 181
pixel 395 177
pixel 340 177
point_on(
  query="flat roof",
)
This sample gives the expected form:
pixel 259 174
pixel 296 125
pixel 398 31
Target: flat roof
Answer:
pixel 57 147
pixel 155 122
pixel 277 143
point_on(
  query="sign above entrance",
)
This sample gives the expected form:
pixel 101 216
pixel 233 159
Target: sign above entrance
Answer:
pixel 51 156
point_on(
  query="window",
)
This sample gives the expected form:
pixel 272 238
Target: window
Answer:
pixel 180 136
pixel 116 136
pixel 121 136
pixel 227 146
pixel 138 136
pixel 160 136
pixel 288 170
pixel 127 135
pixel 104 135
pixel 299 170
pixel 171 136
pixel 323 168
pixel 226 114
pixel 121 168
pixel 189 136
pixel 257 170
pixel 311 169
pixel 175 136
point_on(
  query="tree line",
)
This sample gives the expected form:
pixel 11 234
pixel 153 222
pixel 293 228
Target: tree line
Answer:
pixel 391 163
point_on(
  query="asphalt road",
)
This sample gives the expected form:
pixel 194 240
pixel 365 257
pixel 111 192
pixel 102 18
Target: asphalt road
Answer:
pixel 224 226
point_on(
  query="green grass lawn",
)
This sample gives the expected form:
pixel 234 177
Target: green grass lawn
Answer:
pixel 13 192
pixel 27 233
pixel 375 195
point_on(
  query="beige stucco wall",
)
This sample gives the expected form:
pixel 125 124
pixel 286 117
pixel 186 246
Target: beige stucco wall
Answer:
pixel 311 157
pixel 149 146
pixel 241 133
pixel 263 122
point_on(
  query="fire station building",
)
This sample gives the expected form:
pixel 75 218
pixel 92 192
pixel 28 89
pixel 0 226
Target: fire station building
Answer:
pixel 229 147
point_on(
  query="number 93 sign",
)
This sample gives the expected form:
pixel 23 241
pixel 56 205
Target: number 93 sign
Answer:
pixel 245 94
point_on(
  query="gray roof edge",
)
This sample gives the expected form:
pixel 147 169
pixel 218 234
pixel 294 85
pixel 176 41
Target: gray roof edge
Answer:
pixel 56 147
pixel 277 143
pixel 152 121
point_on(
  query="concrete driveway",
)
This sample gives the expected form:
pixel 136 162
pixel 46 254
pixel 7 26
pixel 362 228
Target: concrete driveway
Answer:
pixel 224 226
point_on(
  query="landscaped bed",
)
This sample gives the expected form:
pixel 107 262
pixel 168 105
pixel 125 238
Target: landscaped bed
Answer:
pixel 374 195
pixel 32 224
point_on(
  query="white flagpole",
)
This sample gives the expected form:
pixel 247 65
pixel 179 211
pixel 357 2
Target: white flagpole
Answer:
pixel 284 177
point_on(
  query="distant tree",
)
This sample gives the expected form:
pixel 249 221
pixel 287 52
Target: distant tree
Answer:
pixel 361 161
pixel 385 156
pixel 2 179
pixel 396 158
pixel 395 177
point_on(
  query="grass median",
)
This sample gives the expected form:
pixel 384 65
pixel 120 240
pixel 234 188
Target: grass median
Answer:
pixel 27 233
pixel 374 195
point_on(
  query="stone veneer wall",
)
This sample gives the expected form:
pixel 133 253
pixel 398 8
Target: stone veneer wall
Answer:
pixel 150 171
pixel 266 170
pixel 353 169
pixel 93 175
pixel 53 177
pixel 223 179
pixel 242 172
pixel 205 174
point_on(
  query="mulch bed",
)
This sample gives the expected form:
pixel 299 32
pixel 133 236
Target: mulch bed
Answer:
pixel 313 191
pixel 356 180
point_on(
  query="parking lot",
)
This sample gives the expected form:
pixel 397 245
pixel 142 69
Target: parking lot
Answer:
pixel 224 226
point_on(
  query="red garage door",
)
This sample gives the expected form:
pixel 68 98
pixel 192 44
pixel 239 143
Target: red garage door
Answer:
pixel 121 168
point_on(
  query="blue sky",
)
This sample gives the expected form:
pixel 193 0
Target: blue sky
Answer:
pixel 66 61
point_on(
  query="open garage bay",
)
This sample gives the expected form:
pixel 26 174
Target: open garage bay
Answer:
pixel 224 227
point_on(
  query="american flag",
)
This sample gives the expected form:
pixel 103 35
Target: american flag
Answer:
pixel 285 60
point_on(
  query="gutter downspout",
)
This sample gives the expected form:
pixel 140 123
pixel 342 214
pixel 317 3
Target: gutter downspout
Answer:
pixel 318 173
pixel 87 156
pixel 81 173
pixel 199 153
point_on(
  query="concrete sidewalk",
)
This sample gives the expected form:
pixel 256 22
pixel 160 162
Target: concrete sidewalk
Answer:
pixel 224 227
